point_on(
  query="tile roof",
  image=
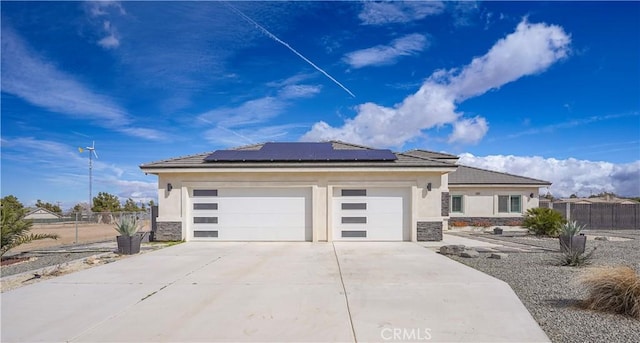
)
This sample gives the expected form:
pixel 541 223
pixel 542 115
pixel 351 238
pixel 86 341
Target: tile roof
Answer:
pixel 465 175
pixel 198 161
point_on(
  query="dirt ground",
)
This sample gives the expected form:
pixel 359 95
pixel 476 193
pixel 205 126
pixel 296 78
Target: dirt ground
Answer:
pixel 87 233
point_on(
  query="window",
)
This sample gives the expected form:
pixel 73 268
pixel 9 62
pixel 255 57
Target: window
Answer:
pixel 456 203
pixel 354 192
pixel 509 204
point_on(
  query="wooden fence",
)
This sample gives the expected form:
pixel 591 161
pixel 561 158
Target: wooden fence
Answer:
pixel 599 215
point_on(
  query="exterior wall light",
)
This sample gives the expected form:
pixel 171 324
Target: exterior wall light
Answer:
pixel 429 186
pixel 169 187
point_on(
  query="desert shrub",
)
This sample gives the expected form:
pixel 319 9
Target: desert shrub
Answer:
pixel 543 221
pixel 613 289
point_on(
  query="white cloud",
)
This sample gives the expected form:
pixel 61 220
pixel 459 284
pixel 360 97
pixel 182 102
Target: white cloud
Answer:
pixel 531 49
pixel 110 41
pixel 569 176
pixel 387 54
pixel 299 91
pixel 469 130
pixel 39 82
pixel 239 125
pixel 381 13
pixel 231 137
pixel 99 9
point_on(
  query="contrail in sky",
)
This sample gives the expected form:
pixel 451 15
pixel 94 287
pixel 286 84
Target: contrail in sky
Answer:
pixel 272 36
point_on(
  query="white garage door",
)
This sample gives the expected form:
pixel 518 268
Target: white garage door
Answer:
pixel 251 214
pixel 376 214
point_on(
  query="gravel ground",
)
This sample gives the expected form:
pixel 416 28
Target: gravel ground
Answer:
pixel 552 294
pixel 43 260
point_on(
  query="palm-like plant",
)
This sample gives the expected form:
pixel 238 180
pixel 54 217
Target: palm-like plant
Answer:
pixel 15 230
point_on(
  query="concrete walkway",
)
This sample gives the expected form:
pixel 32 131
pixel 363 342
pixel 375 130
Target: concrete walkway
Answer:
pixel 276 292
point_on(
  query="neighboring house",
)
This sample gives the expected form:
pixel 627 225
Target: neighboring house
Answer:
pixel 320 192
pixel 42 214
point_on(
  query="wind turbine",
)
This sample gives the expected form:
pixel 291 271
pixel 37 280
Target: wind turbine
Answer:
pixel 92 151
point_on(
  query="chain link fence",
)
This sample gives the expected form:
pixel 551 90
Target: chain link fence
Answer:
pixel 82 228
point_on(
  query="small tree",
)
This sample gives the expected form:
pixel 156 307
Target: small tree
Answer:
pixel 152 203
pixel 131 206
pixel 49 206
pixel 11 203
pixel 106 202
pixel 15 229
pixel 543 221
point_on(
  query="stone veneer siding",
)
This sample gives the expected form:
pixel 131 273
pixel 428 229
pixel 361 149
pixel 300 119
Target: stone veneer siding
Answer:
pixel 482 221
pixel 429 231
pixel 168 231
pixel 444 204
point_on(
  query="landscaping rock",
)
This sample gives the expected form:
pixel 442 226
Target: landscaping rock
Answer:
pixel 601 238
pixel 498 256
pixel 451 249
pixel 469 253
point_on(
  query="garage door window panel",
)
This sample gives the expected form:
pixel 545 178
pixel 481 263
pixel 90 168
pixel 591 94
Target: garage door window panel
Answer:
pixel 354 234
pixel 205 234
pixel 354 206
pixel 354 220
pixel 205 192
pixel 205 220
pixel 354 192
pixel 207 206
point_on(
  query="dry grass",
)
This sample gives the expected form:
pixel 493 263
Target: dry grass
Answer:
pixel 613 289
pixel 87 233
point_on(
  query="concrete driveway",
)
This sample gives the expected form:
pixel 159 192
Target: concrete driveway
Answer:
pixel 303 292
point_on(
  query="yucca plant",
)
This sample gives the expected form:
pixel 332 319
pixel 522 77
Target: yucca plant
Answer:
pixel 127 225
pixel 613 289
pixel 15 230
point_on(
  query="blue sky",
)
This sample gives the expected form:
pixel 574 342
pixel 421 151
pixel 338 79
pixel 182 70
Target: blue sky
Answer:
pixel 544 89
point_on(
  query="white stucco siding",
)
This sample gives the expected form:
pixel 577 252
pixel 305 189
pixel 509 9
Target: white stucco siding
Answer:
pixel 483 201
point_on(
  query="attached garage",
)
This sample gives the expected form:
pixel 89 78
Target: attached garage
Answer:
pixel 317 192
pixel 373 214
pixel 250 214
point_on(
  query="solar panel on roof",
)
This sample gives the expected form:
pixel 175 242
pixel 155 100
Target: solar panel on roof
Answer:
pixel 317 152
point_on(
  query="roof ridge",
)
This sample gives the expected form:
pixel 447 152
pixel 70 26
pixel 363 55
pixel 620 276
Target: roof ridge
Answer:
pixel 351 144
pixel 434 152
pixel 503 173
pixel 425 158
